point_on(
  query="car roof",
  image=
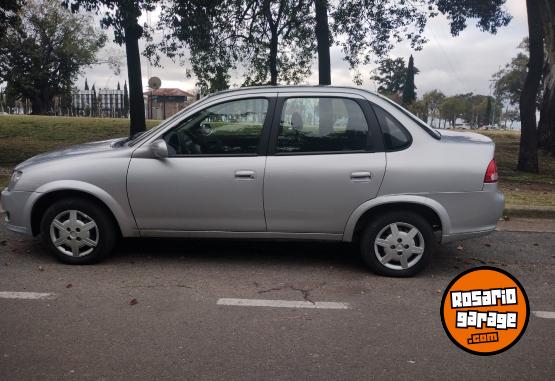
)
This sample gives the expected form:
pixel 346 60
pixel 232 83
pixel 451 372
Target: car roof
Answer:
pixel 294 88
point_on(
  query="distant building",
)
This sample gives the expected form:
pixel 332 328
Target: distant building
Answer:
pixel 84 102
pixel 164 102
pixel 101 103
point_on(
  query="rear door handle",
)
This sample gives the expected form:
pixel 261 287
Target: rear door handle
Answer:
pixel 245 175
pixel 361 176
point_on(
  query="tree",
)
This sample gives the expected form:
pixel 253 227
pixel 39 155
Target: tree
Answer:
pixel 528 150
pixel 86 84
pixel 270 40
pixel 123 16
pixel 41 56
pixel 391 74
pixel 372 27
pixel 409 89
pixel 546 127
pixel 509 81
pixel 125 100
pixel 452 108
pixel 433 100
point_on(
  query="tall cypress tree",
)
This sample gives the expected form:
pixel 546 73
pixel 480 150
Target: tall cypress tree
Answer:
pixel 125 100
pixel 86 84
pixel 409 90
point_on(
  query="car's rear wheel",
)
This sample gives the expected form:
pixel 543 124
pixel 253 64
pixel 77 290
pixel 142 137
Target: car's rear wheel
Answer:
pixel 78 231
pixel 398 244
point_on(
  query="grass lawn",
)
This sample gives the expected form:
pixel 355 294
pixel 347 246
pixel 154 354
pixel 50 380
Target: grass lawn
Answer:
pixel 24 136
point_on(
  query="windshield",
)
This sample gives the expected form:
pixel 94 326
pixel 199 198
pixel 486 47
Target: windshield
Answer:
pixel 431 131
pixel 146 134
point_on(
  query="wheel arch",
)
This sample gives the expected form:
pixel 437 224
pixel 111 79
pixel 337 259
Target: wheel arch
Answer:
pixel 46 195
pixel 430 209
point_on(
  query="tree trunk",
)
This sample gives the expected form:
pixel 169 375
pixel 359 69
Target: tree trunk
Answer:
pixel 272 59
pixel 323 42
pixel 39 106
pixel 528 152
pixel 546 126
pixel 136 101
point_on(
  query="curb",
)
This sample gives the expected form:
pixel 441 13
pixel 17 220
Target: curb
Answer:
pixel 544 212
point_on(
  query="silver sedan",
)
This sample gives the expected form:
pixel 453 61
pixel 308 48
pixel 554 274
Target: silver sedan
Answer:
pixel 310 163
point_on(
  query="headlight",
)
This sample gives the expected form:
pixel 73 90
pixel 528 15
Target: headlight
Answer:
pixel 16 175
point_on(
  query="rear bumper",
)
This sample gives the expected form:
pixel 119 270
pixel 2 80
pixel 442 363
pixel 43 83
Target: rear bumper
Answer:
pixel 13 205
pixel 471 214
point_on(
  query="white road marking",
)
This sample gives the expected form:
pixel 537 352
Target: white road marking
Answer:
pixel 26 295
pixel 544 314
pixel 282 303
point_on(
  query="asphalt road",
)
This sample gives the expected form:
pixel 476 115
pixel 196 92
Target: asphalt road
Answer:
pixel 91 330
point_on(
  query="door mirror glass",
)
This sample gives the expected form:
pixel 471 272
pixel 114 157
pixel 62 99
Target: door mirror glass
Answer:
pixel 159 149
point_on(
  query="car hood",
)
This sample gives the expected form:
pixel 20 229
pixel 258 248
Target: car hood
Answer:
pixel 73 151
pixel 464 137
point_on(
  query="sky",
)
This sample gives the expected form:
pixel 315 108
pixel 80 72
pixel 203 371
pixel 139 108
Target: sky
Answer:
pixel 454 65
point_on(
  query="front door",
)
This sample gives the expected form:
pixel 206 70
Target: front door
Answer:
pixel 327 160
pixel 213 177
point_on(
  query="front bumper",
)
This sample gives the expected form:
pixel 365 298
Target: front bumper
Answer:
pixel 14 211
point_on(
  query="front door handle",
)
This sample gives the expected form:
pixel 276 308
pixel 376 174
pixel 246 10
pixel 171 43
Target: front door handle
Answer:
pixel 245 175
pixel 361 176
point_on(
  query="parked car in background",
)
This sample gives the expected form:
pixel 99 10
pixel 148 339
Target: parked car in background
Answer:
pixel 306 163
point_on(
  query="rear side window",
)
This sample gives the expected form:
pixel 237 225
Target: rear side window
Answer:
pixel 321 125
pixel 396 137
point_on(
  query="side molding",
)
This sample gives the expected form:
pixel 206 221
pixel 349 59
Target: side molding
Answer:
pixel 394 199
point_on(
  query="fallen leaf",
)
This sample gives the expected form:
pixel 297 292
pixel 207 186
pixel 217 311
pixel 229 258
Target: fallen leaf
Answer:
pixel 536 244
pixel 460 248
pixel 133 301
pixel 69 285
pixel 41 268
pixel 411 362
pixel 487 244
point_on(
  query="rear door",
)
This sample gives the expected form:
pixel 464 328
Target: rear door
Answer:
pixel 325 159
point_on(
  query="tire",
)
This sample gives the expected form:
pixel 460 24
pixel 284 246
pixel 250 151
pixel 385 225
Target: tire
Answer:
pixel 397 254
pixel 78 231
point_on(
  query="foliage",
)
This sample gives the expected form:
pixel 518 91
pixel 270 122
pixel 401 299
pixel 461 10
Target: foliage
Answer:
pixel 270 41
pixel 42 56
pixel 116 14
pixel 373 27
pixel 9 14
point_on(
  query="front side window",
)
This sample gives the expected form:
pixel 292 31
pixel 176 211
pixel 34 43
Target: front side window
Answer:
pixel 321 125
pixel 228 128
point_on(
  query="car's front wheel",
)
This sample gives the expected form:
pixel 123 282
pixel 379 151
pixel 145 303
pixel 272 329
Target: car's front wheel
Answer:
pixel 397 244
pixel 78 231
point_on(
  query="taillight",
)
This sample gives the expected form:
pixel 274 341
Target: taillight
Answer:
pixel 491 173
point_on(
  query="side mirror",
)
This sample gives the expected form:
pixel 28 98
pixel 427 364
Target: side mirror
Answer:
pixel 159 148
